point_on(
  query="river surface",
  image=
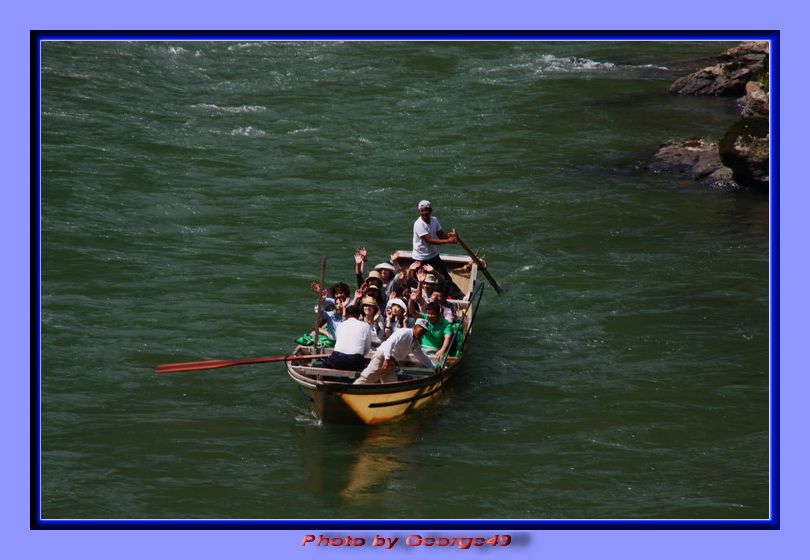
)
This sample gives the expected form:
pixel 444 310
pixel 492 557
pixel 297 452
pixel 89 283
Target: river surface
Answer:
pixel 190 190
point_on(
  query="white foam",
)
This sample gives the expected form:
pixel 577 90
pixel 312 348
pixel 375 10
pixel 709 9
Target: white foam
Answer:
pixel 302 130
pixel 248 131
pixel 550 63
pixel 231 110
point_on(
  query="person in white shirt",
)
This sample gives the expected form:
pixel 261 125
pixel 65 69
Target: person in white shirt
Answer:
pixel 353 341
pixel 396 348
pixel 427 233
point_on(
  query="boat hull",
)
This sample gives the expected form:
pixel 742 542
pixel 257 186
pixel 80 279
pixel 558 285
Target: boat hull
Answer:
pixel 341 403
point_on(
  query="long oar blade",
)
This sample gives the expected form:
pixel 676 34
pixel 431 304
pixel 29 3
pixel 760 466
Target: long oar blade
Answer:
pixel 212 364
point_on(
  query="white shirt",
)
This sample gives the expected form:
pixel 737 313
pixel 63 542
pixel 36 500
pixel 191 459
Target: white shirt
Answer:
pixel 422 250
pixel 400 344
pixel 353 337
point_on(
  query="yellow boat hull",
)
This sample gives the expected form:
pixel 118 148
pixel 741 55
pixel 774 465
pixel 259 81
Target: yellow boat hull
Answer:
pixel 371 404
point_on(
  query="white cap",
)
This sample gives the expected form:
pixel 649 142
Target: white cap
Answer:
pixel 421 323
pixel 386 266
pixel 424 204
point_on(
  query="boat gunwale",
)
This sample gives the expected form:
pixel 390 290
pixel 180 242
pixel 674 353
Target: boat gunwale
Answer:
pixel 376 388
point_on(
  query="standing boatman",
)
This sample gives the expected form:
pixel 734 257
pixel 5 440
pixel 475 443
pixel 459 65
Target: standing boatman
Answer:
pixel 427 234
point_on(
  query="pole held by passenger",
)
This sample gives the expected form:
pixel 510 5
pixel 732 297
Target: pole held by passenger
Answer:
pixel 316 329
pixel 481 265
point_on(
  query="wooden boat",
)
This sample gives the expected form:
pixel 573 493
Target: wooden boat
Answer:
pixel 335 399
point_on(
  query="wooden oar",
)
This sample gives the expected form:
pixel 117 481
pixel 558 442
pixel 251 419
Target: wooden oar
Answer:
pixel 211 364
pixel 481 266
pixel 317 328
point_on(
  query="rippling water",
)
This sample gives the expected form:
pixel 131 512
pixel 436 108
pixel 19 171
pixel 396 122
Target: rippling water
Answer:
pixel 189 190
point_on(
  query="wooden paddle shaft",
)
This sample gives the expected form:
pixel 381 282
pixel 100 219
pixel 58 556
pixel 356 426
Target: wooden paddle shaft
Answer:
pixel 481 266
pixel 317 328
pixel 211 364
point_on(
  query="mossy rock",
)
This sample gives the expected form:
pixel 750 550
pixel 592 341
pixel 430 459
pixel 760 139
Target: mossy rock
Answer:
pixel 745 150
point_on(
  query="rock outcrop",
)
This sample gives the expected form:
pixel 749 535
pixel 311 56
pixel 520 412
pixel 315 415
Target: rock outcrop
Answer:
pixel 755 102
pixel 742 157
pixel 735 68
pixel 745 149
pixel 693 158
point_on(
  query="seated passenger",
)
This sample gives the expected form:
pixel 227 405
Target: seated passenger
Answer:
pixel 400 284
pixel 374 319
pixel 424 280
pixel 383 272
pixel 372 279
pixel 439 331
pixel 338 291
pixel 336 299
pixel 374 282
pixel 396 316
pixel 353 342
pixel 439 295
pixel 371 289
pixel 386 270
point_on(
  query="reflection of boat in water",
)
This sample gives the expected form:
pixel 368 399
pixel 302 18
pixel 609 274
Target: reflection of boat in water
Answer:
pixel 335 399
pixel 370 462
pixel 381 455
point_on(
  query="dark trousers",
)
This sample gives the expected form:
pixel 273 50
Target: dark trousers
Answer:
pixel 348 362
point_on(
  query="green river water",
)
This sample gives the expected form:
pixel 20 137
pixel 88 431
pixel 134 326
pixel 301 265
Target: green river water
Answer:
pixel 190 189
